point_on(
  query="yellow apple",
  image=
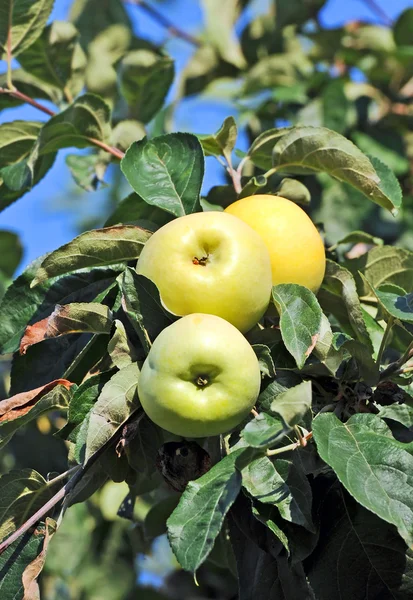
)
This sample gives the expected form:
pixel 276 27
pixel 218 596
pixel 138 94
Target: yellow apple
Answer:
pixel 294 244
pixel 211 263
pixel 200 378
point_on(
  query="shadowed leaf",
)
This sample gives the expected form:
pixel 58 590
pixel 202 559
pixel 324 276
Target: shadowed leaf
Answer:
pixel 79 317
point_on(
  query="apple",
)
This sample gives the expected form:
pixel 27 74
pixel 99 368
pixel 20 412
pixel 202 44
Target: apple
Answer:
pixel 294 244
pixel 211 263
pixel 200 378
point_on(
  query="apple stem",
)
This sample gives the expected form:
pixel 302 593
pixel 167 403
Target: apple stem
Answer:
pixel 202 381
pixel 299 444
pixel 254 412
pixel 200 261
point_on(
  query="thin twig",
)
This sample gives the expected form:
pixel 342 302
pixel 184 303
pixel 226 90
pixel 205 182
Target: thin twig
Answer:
pixel 165 22
pixel 64 475
pixel 298 444
pixel 20 96
pixel 377 9
pixel 9 53
pixel 41 512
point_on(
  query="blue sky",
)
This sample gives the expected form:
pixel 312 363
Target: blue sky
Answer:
pixel 41 217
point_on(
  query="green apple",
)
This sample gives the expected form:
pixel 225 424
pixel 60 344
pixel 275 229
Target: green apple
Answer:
pixel 211 263
pixel 200 378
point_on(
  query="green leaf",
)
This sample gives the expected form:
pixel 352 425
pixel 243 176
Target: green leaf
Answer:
pixel 142 448
pixel 133 210
pixel 402 413
pixel 78 317
pixel 351 535
pixel 84 397
pixel 167 172
pixel 294 403
pixel 93 249
pixel 15 560
pixel 294 190
pixel 30 86
pixel 88 171
pixel 143 306
pixel 274 71
pixel 280 483
pixel 91 17
pixel 117 401
pixel 264 431
pixel 51 56
pixel 385 147
pixel 402 28
pixel 385 264
pixel 21 23
pixel 296 11
pixel 11 252
pixel 36 303
pixel 360 237
pixel 335 106
pixel 17 139
pixel 265 359
pixel 317 149
pixel 19 410
pixel 300 319
pixel 145 78
pixel 22 494
pixel 398 306
pixel 222 142
pixel 280 384
pixel 198 518
pixel 220 20
pixel 88 117
pixel 338 295
pixel 120 349
pixel 155 521
pixel 372 466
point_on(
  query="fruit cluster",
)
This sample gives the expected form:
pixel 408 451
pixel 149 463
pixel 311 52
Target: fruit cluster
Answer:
pixel 216 270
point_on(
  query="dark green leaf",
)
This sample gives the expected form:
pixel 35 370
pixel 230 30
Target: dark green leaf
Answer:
pixel 403 28
pixel 88 117
pixel 145 78
pixel 264 431
pixel 135 211
pixel 91 17
pixel 372 466
pixel 155 520
pixel 315 149
pixel 385 264
pixel 198 518
pixel 21 23
pixel 167 172
pixel 142 304
pixel 11 252
pixel 93 249
pixel 294 403
pixel 117 401
pixel 296 11
pixel 36 303
pixel 30 86
pixel 398 306
pixel 335 106
pixel 280 483
pixel 339 296
pixel 50 58
pixel 265 359
pixel 402 413
pixel 351 535
pixel 300 319
pixel 15 560
pixel 143 447
pixel 22 494
pixel 84 397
